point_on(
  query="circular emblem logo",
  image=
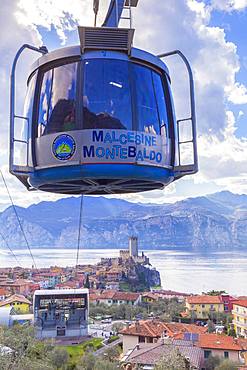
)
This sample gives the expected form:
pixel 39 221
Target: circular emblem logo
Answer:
pixel 63 147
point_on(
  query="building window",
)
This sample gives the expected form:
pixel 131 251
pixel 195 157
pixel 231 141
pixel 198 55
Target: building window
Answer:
pixel 237 318
pixel 203 305
pixel 207 354
pixel 226 354
pixel 141 339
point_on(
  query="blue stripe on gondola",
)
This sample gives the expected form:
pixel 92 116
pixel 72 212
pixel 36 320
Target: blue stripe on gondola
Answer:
pixel 101 171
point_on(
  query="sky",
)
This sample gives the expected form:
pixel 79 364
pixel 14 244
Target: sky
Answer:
pixel 212 34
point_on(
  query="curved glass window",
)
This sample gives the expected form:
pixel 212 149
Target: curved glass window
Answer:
pixel 107 95
pixel 160 100
pixel 146 105
pixel 57 107
pixel 113 94
pixel 23 127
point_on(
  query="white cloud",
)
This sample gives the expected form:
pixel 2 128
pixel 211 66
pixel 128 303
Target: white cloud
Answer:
pixel 63 15
pixel 238 94
pixel 229 5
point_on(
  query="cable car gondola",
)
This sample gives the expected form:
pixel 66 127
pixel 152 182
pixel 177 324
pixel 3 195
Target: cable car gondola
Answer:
pixel 99 117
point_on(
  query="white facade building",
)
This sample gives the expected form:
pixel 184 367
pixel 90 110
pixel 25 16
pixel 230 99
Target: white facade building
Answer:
pixel 61 313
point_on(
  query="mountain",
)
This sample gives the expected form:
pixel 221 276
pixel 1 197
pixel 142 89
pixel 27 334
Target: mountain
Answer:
pixel 215 221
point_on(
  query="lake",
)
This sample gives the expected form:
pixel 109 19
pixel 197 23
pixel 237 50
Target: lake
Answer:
pixel 190 272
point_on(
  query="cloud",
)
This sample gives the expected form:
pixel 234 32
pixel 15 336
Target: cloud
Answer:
pixel 63 15
pixel 238 94
pixel 229 5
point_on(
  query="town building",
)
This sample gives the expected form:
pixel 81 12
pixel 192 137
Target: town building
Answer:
pixel 5 316
pixel 3 294
pixel 146 356
pixel 159 295
pixel 20 286
pixel 150 331
pixel 239 313
pixel 111 297
pixel 204 307
pixel 19 303
pixel 223 346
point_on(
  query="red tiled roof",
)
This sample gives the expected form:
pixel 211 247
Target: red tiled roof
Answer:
pixel 15 298
pixel 241 302
pixel 204 299
pixel 107 294
pixel 19 282
pixel 217 341
pixel 126 296
pixel 243 343
pixel 3 292
pixel 93 297
pixel 147 328
pixel 155 328
pixel 120 296
pixel 150 295
pixel 150 354
pixel 178 329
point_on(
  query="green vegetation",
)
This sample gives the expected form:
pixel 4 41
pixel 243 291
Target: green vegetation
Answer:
pixel 172 361
pixel 76 351
pixel 112 338
pixel 168 310
pixel 28 353
pixel 216 363
pixel 215 292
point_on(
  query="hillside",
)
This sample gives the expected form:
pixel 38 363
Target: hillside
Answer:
pixel 214 221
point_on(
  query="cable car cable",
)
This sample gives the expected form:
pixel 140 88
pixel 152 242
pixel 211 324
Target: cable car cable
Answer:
pixel 11 250
pixel 18 219
pixel 79 231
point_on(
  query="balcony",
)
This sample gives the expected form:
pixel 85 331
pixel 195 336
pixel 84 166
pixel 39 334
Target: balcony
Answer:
pixel 237 313
pixel 240 324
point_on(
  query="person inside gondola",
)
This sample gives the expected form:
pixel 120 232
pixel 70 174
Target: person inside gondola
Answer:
pixel 102 120
pixel 62 117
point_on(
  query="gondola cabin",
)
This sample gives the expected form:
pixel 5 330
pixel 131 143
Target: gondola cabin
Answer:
pixel 99 119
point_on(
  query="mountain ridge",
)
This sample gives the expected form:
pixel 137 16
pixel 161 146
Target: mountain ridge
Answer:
pixel 217 220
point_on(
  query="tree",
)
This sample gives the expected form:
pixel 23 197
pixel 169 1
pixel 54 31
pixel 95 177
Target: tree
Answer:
pixel 227 365
pixel 27 352
pixel 215 292
pixel 117 326
pixel 172 361
pixel 59 357
pixel 87 282
pixel 112 353
pixel 211 326
pixel 231 331
pixel 102 364
pixel 87 362
pixel 90 362
pixel 212 362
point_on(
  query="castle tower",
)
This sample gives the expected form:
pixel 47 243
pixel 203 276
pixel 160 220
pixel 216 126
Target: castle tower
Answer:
pixel 133 246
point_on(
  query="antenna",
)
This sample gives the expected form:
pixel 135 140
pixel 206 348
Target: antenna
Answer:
pixel 95 9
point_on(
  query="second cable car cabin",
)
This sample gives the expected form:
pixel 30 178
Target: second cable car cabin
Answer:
pixel 99 119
